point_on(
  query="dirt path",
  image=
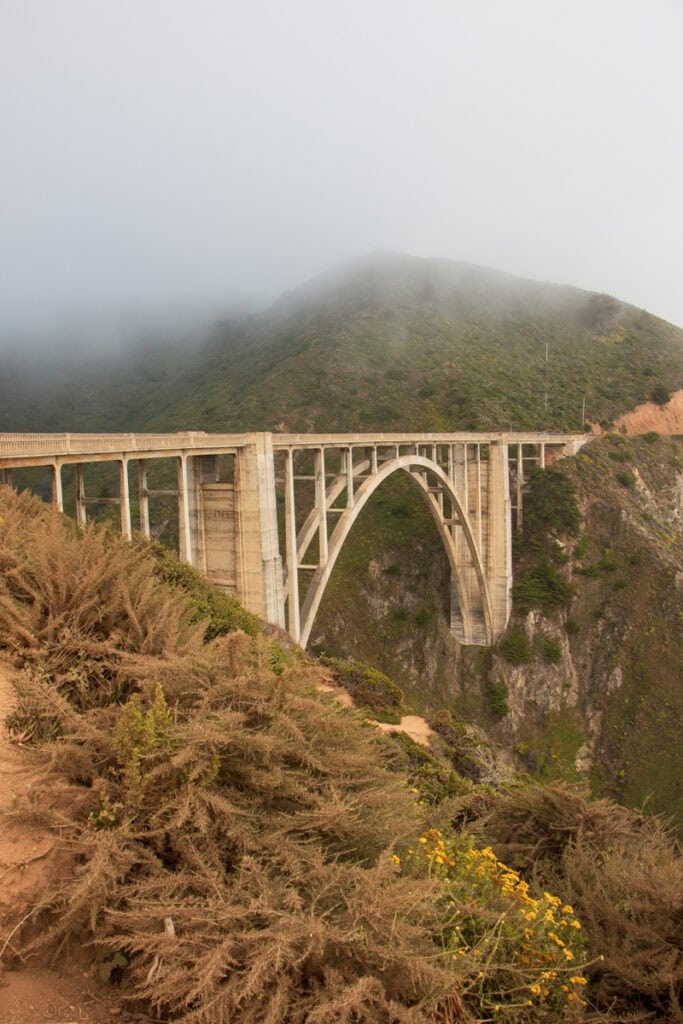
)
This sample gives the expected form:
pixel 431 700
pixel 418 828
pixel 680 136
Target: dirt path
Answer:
pixel 415 726
pixel 23 850
pixel 31 993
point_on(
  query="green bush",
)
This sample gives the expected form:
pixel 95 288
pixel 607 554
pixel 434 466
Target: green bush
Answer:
pixel 515 646
pixel 541 586
pixel 552 651
pixel 369 688
pixel 581 548
pixel 660 394
pixel 626 478
pixel 222 613
pixel 498 695
pixel 550 505
pixel 463 745
pixel 425 614
pixel 429 778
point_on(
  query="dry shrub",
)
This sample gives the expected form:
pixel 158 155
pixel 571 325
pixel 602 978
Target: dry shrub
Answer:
pixel 80 607
pixel 623 874
pixel 259 820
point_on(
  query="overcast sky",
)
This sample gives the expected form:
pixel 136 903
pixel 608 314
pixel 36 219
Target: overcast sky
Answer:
pixel 168 154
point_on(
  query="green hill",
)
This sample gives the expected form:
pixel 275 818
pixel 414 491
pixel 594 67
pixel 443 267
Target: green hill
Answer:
pixel 390 341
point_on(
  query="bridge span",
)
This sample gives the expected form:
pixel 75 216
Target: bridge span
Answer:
pixel 244 498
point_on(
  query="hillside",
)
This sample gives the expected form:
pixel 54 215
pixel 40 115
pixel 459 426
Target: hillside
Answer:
pixel 201 832
pixel 388 342
pixel 585 688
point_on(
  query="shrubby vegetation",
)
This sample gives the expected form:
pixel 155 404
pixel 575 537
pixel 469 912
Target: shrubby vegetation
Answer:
pixel 394 342
pixel 370 689
pixel 551 516
pixel 253 852
pixel 622 875
pixel 221 612
pixel 515 646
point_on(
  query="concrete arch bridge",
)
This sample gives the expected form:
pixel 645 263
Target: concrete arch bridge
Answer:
pixel 243 499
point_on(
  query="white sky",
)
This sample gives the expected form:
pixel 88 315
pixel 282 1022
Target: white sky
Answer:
pixel 167 153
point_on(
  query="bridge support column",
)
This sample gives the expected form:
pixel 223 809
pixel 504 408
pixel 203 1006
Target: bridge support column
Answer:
pixel 499 548
pixel 143 496
pixel 321 503
pixel 57 494
pixel 124 496
pixel 186 508
pixel 259 565
pixel 293 613
pixel 193 472
pixel 80 496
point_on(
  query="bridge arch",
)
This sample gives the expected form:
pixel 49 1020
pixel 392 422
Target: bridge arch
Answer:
pixel 420 469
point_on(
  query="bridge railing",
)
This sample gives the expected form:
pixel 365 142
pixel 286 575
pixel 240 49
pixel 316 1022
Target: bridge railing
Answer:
pixel 80 444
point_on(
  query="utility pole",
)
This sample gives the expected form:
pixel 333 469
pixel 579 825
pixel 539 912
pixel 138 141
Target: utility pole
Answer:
pixel 546 376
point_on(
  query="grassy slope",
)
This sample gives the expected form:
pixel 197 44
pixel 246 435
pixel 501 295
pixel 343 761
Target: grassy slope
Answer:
pixel 391 342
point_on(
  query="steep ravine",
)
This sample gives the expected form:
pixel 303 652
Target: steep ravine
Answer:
pixel 591 690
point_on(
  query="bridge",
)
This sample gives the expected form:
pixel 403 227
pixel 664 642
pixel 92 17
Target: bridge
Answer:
pixel 243 498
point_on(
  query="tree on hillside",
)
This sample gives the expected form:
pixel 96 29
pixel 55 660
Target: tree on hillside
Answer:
pixel 660 394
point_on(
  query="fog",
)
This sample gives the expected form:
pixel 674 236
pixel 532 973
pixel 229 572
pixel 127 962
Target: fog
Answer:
pixel 165 161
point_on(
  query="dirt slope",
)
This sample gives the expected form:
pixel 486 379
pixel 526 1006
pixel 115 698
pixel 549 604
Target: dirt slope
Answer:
pixel 30 991
pixel 664 419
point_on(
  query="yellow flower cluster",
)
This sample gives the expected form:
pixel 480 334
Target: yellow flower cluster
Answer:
pixel 532 942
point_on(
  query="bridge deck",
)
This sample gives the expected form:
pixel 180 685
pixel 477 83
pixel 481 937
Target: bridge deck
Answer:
pixel 24 449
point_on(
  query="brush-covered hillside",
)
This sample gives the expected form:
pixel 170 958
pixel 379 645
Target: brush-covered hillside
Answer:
pixel 586 683
pixel 388 342
pixel 197 823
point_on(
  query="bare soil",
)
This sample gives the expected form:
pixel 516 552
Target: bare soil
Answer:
pixel 664 419
pixel 415 726
pixel 33 991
